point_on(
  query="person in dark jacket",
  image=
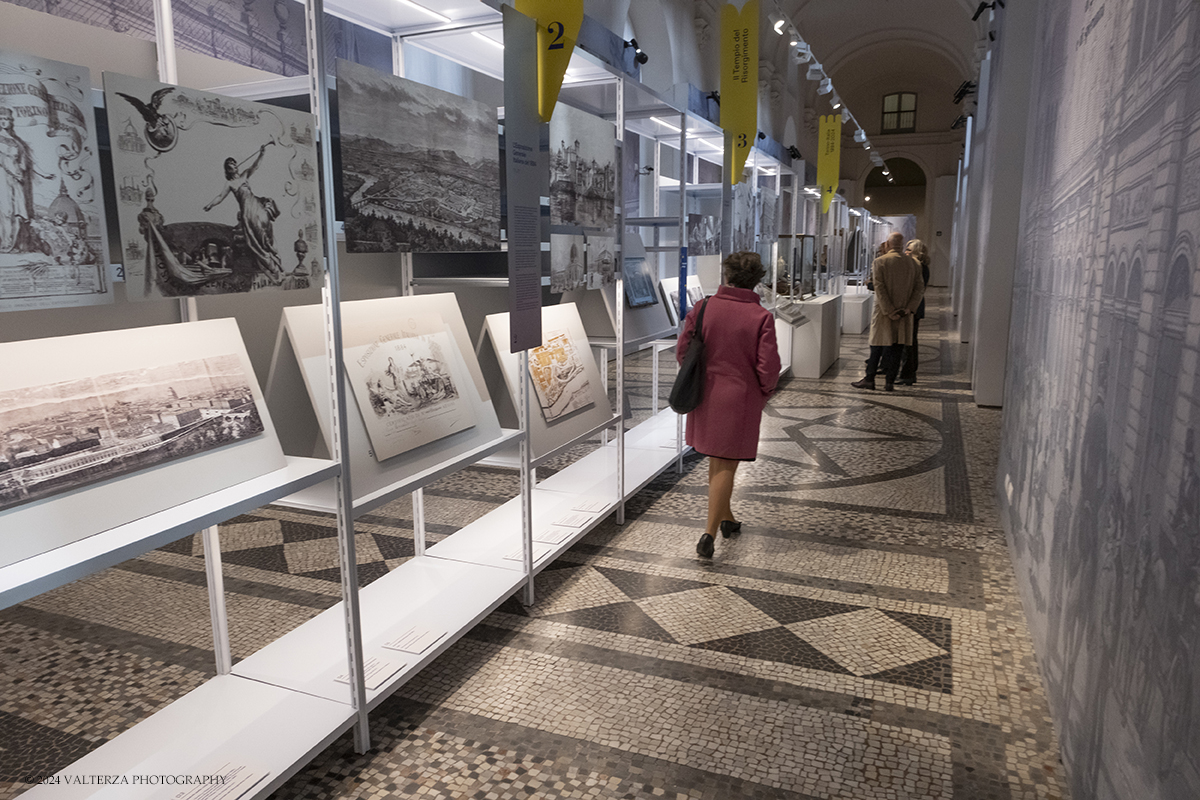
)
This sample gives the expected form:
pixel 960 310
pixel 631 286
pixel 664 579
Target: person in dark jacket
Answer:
pixel 917 250
pixel 741 370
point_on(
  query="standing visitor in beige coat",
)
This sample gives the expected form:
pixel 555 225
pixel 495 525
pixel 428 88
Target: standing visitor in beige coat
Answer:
pixel 898 293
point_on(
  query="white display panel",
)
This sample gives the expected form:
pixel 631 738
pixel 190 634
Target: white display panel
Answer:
pixel 53 521
pixel 299 365
pixel 547 436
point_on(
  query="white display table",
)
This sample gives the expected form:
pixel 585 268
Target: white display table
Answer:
pixel 856 313
pixel 817 342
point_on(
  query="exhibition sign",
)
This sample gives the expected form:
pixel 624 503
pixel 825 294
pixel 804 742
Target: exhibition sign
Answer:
pixel 829 159
pixel 739 81
pixel 558 24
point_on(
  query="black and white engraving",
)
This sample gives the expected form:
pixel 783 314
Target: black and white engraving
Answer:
pixel 52 244
pixel 421 167
pixel 410 391
pixel 61 436
pixel 601 261
pixel 741 224
pixel 583 170
pixel 210 191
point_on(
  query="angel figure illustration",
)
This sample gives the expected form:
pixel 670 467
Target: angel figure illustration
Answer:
pixel 256 215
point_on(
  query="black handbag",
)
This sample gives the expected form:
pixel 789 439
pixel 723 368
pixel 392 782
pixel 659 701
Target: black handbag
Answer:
pixel 688 390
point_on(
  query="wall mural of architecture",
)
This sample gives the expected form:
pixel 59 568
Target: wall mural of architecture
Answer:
pixel 264 34
pixel 1100 463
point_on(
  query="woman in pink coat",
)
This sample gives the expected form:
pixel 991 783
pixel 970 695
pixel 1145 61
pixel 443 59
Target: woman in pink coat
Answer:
pixel 741 370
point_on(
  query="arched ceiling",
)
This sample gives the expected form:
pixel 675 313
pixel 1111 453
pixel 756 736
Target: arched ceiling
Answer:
pixel 842 31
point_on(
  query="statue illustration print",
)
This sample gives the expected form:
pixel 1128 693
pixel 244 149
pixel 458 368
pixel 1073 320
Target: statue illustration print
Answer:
pixel 256 215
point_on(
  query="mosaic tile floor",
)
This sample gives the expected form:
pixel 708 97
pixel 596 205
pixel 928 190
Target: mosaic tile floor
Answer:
pixel 862 638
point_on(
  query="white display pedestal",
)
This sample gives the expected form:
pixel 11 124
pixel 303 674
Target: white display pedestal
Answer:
pixel 856 313
pixel 817 342
pixel 783 338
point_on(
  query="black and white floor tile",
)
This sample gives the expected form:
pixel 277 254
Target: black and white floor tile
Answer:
pixel 862 637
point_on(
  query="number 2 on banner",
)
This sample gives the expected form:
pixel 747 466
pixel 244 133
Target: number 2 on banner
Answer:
pixel 556 29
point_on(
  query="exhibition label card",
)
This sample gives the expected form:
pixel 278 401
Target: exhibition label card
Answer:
pixel 554 535
pixel 574 520
pixel 53 248
pixel 540 551
pixel 231 780
pixel 592 505
pixel 416 640
pixel 376 671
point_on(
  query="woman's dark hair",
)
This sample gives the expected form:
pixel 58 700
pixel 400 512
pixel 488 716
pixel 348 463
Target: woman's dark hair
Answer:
pixel 743 270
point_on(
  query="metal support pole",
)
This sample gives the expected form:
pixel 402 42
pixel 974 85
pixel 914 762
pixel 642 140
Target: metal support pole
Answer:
pixel 655 349
pixel 164 40
pixel 418 503
pixel 527 477
pixel 216 600
pixel 620 292
pixel 331 296
pixel 602 362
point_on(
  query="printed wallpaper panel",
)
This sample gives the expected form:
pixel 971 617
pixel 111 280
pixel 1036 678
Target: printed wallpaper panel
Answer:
pixel 1100 464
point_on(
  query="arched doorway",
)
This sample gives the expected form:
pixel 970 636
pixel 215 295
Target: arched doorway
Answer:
pixel 898 194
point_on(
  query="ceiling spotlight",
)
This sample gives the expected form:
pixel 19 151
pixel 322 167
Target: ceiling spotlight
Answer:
pixel 958 123
pixel 762 135
pixel 845 115
pixel 984 6
pixel 777 23
pixel 967 87
pixel 794 152
pixel 867 199
pixel 715 97
pixel 793 37
pixel 866 145
pixel 825 86
pixel 860 136
pixel 638 54
pixel 886 171
pixel 836 102
pixel 815 73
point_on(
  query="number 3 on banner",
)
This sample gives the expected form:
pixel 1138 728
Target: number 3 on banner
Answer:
pixel 557 29
pixel 741 140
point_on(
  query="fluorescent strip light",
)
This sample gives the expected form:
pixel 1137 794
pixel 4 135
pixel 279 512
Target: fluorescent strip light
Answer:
pixel 424 10
pixel 488 39
pixel 675 128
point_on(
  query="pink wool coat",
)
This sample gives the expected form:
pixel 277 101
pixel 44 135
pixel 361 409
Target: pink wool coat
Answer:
pixel 741 370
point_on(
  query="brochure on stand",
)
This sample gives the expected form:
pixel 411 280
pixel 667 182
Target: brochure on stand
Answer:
pixel 555 534
pixel 231 780
pixel 540 551
pixel 376 672
pixel 591 505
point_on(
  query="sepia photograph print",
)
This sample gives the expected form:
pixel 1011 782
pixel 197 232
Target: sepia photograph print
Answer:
pixel 60 436
pixel 211 191
pixel 568 271
pixel 583 169
pixel 420 166
pixel 639 283
pixel 409 390
pixel 52 238
pixel 559 378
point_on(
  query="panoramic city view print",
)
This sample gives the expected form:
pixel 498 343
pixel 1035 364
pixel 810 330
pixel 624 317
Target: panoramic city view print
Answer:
pixel 423 177
pixel 60 436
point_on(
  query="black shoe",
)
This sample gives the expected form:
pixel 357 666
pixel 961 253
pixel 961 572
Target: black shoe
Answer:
pixel 906 381
pixel 704 547
pixel 865 383
pixel 890 386
pixel 729 528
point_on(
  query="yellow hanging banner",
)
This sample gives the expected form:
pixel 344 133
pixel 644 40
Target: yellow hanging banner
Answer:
pixel 739 82
pixel 558 24
pixel 829 159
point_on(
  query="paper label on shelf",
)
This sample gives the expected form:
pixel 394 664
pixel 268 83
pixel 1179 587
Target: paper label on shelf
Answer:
pixel 375 672
pixel 416 640
pixel 540 551
pixel 228 780
pixel 553 535
pixel 574 520
pixel 590 506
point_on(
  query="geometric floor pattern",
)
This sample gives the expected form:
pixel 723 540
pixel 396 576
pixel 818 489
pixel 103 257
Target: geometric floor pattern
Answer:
pixel 862 637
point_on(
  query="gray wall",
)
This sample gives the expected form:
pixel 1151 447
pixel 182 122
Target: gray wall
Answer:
pixel 1100 468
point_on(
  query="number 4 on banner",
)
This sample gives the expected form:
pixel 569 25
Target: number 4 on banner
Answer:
pixel 558 23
